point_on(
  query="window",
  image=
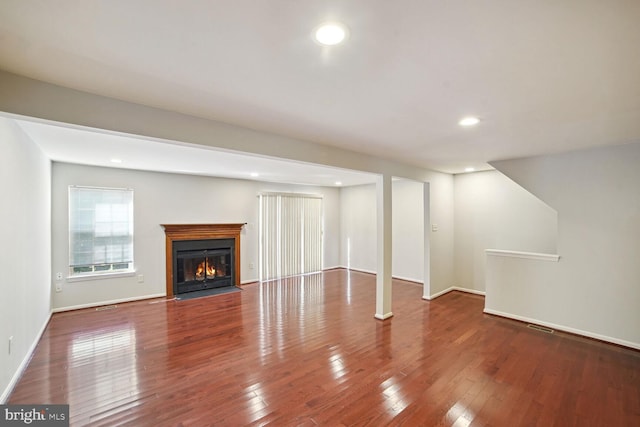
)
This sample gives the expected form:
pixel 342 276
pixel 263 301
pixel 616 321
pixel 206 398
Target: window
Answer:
pixel 100 230
pixel 290 234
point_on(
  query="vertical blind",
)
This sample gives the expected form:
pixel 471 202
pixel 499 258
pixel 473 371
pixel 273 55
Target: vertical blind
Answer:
pixel 100 229
pixel 290 234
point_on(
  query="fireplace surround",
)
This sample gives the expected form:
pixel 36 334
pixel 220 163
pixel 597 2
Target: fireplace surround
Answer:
pixel 202 256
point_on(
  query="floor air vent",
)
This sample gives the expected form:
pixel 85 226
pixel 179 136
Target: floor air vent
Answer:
pixel 106 307
pixel 540 328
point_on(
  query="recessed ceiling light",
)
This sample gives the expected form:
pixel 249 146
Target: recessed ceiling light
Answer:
pixel 338 183
pixel 116 161
pixel 255 174
pixel 330 33
pixel 469 169
pixel 469 121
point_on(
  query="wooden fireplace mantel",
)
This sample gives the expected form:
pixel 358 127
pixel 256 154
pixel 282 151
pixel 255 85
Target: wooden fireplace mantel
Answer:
pixel 175 232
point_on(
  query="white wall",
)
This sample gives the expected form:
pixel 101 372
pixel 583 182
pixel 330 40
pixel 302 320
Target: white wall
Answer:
pixel 442 242
pixel 170 199
pixel 358 229
pixel 408 230
pixel 493 212
pixel 595 286
pixel 25 263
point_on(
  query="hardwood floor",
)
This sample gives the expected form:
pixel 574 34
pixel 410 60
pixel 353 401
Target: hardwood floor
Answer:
pixel 307 351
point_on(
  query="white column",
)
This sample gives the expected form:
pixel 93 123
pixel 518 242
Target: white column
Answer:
pixel 383 277
pixel 426 200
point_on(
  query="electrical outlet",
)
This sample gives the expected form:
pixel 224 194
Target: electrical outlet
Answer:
pixel 434 227
pixel 10 342
pixel 58 287
pixel 140 278
pixel 251 266
pixel 58 276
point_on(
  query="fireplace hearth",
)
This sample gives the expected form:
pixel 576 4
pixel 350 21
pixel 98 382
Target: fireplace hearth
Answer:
pixel 202 256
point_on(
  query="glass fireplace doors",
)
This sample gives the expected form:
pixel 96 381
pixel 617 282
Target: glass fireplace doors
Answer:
pixel 203 264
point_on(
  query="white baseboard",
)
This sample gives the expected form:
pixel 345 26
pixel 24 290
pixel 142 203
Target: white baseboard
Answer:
pixel 563 328
pixel 383 316
pixel 25 362
pixel 453 288
pixel 438 294
pixel 467 290
pixel 360 270
pixel 109 302
pixel 409 279
pixel 375 273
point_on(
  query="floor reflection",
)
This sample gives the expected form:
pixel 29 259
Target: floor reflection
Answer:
pixel 103 362
pixel 298 299
pixel 459 416
pixel 394 400
pixel 96 344
pixel 257 404
pixel 337 365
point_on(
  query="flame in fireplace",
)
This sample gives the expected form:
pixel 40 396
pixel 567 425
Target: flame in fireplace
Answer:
pixel 211 272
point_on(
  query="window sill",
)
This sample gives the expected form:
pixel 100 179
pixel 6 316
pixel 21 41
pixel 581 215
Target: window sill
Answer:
pixel 89 277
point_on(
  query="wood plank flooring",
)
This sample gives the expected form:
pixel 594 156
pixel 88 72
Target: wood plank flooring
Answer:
pixel 307 351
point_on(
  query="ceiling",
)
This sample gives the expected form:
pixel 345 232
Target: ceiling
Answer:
pixel 542 76
pixel 109 149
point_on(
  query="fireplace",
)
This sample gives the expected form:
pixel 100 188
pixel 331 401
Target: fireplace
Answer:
pixel 202 256
pixel 203 264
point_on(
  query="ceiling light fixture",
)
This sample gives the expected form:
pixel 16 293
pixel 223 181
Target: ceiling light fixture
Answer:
pixel 469 169
pixel 338 183
pixel 116 161
pixel 330 33
pixel 469 121
pixel 255 174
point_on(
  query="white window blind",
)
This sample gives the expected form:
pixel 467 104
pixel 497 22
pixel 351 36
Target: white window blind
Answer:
pixel 290 234
pixel 100 230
